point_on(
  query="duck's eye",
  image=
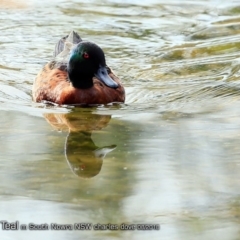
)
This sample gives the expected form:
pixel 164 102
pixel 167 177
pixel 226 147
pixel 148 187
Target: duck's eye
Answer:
pixel 85 55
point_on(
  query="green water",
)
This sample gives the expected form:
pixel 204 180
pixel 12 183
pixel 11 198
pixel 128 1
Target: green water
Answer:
pixel 169 156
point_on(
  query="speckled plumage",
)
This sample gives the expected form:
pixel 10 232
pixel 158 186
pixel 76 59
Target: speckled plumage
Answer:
pixel 53 84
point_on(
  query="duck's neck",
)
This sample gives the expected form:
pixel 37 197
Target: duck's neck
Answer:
pixel 79 79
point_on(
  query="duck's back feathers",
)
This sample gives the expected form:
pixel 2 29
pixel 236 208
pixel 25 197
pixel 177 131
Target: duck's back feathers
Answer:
pixel 66 43
pixel 59 46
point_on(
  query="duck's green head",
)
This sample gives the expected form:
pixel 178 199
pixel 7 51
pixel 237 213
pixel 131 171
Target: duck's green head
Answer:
pixel 86 61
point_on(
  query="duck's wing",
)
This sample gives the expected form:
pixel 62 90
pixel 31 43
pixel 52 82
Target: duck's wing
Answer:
pixel 65 44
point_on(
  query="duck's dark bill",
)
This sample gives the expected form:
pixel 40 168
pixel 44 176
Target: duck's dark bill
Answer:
pixel 103 76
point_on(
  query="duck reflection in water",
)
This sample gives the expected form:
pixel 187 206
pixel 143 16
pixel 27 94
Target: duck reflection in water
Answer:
pixel 84 158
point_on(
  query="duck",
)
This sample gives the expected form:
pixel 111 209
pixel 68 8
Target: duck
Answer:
pixel 78 74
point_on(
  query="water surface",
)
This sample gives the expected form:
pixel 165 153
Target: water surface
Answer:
pixel 168 156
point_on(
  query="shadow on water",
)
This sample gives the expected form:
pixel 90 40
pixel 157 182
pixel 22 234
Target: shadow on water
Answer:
pixel 34 173
pixel 83 156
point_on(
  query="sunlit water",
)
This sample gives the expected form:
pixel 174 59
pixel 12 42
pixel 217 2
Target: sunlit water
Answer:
pixel 169 156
